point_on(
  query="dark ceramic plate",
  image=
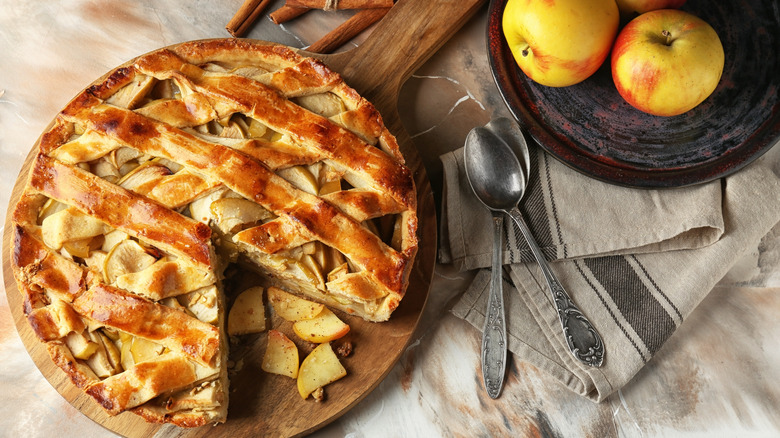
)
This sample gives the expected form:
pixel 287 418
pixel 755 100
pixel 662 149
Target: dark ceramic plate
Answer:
pixel 591 128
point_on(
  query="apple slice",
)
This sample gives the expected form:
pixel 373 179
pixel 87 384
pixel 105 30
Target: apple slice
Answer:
pixel 232 214
pixel 69 225
pixel 248 313
pixel 292 308
pixel 300 177
pixel 80 346
pixel 144 350
pixel 127 256
pixel 320 368
pixel 324 327
pixel 281 355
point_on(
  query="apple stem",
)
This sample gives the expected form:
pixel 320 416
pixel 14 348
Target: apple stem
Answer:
pixel 668 36
pixel 524 52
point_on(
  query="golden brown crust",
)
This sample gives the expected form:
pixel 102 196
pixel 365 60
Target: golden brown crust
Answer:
pixel 271 150
pixel 129 313
pixel 121 209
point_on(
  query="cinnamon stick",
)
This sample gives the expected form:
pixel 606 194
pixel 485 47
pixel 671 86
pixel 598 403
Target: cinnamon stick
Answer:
pixel 247 14
pixel 287 13
pixel 340 4
pixel 347 30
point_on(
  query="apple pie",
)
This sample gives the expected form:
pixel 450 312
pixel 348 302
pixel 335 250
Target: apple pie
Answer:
pixel 182 162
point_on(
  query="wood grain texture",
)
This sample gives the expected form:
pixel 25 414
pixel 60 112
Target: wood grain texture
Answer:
pixel 267 404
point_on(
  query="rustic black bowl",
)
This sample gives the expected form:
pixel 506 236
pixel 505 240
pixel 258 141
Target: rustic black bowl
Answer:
pixel 592 129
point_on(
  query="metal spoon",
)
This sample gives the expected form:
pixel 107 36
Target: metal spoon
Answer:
pixel 498 180
pixel 494 348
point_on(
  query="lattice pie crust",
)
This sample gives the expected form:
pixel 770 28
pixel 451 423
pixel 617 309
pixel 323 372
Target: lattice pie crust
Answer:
pixel 186 160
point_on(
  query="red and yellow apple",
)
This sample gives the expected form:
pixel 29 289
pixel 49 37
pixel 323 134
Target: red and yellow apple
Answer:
pixel 666 62
pixel 629 8
pixel 558 43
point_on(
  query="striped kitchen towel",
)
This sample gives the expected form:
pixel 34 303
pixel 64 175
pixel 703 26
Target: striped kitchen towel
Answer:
pixel 636 262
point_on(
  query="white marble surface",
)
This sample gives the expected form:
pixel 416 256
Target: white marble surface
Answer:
pixel 717 376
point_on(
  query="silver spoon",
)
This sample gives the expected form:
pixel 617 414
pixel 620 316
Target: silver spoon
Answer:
pixel 498 180
pixel 494 348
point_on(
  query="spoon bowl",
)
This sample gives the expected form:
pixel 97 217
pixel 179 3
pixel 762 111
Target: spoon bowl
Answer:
pixel 486 157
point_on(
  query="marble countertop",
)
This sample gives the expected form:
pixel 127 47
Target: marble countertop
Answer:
pixel 717 376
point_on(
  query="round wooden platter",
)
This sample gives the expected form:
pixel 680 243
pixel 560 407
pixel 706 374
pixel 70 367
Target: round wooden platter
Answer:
pixel 264 404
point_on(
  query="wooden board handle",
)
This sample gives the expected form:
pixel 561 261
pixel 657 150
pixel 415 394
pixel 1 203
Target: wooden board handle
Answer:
pixel 405 38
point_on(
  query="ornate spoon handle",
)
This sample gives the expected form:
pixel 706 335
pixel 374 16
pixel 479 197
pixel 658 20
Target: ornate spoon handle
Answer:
pixel 583 340
pixel 494 332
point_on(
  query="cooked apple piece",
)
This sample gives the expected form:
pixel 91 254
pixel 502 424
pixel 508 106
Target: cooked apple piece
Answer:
pixel 248 313
pixel 105 169
pixel 96 260
pixel 102 362
pixel 111 333
pixel 338 272
pixel 50 207
pixel 202 397
pixel 133 93
pixel 125 356
pixel 69 225
pixel 200 209
pixel 328 258
pixel 324 327
pixel 309 247
pixel 324 104
pixel 232 213
pixel 314 268
pixel 307 271
pixel 172 165
pixel 300 177
pixel 79 248
pixel 112 238
pixel 202 303
pixel 233 130
pixel 128 256
pixel 144 178
pixel 80 345
pixel 281 355
pixel 100 365
pixel 330 187
pixel 397 239
pixel 143 350
pixel 318 369
pixel 291 307
pixel 112 352
pixel 120 157
pixel 256 128
pixel 249 71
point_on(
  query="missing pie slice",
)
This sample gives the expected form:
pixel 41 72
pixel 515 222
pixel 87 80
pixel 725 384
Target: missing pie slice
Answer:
pixel 190 158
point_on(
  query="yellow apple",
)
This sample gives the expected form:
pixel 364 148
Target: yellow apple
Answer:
pixel 318 369
pixel 292 308
pixel 630 8
pixel 667 62
pixel 281 355
pixel 324 327
pixel 560 42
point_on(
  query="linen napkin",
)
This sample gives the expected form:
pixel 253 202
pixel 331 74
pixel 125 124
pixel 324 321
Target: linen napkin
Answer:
pixel 636 262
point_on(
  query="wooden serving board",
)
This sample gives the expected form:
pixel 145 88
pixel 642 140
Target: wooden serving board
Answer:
pixel 268 405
